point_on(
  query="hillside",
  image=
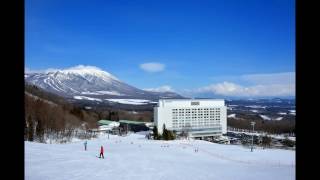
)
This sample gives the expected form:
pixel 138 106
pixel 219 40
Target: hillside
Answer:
pixel 49 116
pixel 136 158
pixel 271 115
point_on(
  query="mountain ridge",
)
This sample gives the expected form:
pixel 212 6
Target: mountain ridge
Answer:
pixel 90 83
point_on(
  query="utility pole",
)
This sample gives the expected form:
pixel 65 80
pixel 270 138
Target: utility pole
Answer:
pixel 252 124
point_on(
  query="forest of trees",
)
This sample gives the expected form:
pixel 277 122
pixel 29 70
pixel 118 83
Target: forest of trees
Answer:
pixel 274 127
pixel 43 119
pixel 50 116
pixel 119 114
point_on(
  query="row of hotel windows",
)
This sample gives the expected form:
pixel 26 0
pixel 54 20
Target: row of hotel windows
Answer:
pixel 199 109
pixel 199 115
pixel 176 112
pixel 189 114
pixel 195 125
pixel 194 111
pixel 193 121
pixel 195 118
pixel 192 124
pixel 193 114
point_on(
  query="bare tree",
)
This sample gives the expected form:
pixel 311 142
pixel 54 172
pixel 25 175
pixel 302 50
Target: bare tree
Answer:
pixel 30 128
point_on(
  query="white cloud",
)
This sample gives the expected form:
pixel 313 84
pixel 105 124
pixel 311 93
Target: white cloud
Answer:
pixel 232 89
pixel 164 88
pixel 263 85
pixel 274 78
pixel 152 67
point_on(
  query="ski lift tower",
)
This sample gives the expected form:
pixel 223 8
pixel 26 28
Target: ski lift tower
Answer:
pixel 252 124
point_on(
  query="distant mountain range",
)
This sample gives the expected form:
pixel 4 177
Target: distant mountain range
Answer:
pixel 86 83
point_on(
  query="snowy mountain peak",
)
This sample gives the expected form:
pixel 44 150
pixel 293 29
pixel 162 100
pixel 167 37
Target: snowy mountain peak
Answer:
pixel 84 71
pixel 91 81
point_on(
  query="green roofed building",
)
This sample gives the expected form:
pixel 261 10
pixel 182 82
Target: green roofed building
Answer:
pixel 105 122
pixel 107 125
pixel 125 124
pixel 134 125
pixel 132 122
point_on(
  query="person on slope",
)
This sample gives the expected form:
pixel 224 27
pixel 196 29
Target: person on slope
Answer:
pixel 101 152
pixel 85 145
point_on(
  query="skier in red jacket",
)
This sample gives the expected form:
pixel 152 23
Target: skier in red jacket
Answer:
pixel 101 152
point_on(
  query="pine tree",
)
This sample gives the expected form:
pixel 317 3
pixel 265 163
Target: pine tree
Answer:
pixel 165 133
pixel 288 142
pixel 170 135
pixel 266 141
pixel 156 133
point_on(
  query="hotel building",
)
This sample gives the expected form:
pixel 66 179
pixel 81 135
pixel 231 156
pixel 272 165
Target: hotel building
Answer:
pixel 199 117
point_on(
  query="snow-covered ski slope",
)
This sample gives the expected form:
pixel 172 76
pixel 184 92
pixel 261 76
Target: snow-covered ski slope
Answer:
pixel 136 158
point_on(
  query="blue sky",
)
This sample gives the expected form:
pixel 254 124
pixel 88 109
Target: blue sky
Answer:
pixel 185 46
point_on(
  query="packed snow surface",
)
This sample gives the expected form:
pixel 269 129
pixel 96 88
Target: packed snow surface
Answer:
pixel 131 101
pixel 256 106
pixel 232 116
pixel 232 105
pixel 87 98
pixel 115 93
pixel 292 112
pixel 264 117
pixel 110 93
pixel 90 93
pixel 135 158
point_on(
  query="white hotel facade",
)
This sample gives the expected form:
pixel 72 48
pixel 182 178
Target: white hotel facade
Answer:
pixel 200 117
